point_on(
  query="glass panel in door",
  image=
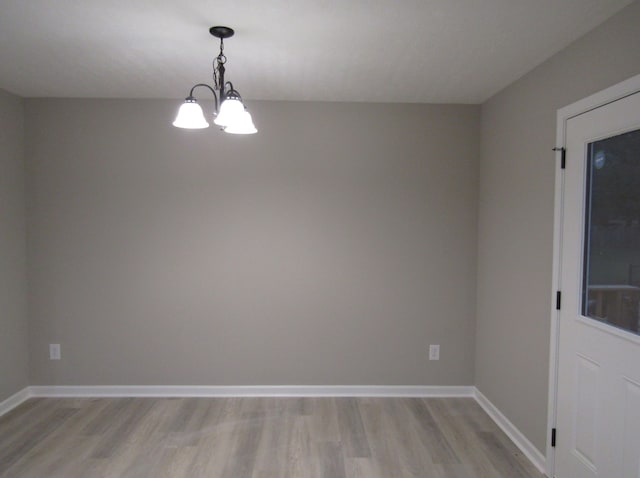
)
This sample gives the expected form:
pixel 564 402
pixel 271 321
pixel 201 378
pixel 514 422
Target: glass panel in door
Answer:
pixel 611 276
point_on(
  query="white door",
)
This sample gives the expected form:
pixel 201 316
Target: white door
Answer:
pixel 598 421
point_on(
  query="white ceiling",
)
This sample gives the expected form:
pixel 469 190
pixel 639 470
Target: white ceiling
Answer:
pixel 423 51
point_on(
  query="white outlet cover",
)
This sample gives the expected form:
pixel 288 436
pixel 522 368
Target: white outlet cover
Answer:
pixel 434 352
pixel 54 352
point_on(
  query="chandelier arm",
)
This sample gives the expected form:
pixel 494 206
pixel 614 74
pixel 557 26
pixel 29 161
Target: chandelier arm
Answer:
pixel 210 89
pixel 229 89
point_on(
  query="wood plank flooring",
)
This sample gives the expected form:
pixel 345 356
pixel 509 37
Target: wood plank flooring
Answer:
pixel 256 438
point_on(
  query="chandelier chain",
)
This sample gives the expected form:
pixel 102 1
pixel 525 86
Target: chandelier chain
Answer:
pixel 218 66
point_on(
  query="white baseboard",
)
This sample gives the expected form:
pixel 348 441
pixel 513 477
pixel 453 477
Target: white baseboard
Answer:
pixel 251 391
pixel 516 436
pixel 14 400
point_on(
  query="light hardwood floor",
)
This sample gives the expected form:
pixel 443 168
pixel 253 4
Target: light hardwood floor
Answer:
pixel 256 438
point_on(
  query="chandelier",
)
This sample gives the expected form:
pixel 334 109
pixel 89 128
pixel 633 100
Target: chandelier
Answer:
pixel 229 111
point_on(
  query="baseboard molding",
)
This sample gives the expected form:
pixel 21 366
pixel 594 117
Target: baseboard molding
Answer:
pixel 516 436
pixel 14 400
pixel 251 391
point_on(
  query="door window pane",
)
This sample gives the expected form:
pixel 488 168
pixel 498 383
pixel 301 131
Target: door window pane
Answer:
pixel 611 278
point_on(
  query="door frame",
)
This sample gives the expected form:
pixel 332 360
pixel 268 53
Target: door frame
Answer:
pixel 597 100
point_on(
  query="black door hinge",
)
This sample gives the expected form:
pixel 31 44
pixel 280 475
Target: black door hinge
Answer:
pixel 563 156
pixel 558 299
pixel 553 437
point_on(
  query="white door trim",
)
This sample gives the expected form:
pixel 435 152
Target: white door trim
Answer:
pixel 609 95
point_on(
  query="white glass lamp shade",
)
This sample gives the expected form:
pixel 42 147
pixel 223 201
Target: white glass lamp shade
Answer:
pixel 231 110
pixel 190 116
pixel 243 125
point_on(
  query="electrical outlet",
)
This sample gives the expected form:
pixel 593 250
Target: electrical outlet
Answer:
pixel 54 352
pixel 434 352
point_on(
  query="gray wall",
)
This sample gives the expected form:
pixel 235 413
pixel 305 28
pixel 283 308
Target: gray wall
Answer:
pixel 331 248
pixel 515 243
pixel 13 309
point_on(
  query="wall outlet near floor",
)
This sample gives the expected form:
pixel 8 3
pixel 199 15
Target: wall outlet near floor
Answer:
pixel 54 352
pixel 434 352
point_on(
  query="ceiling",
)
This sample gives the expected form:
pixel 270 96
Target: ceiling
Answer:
pixel 418 51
